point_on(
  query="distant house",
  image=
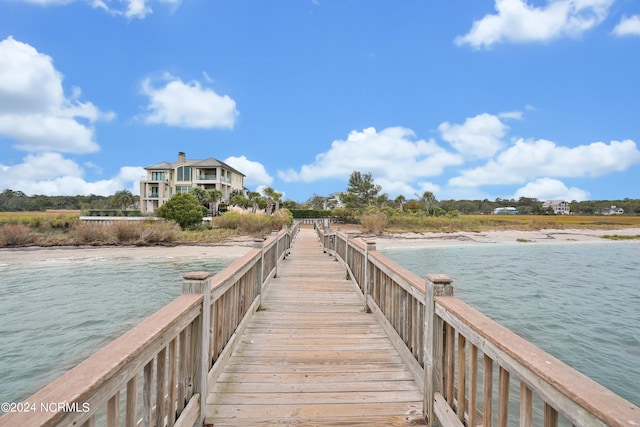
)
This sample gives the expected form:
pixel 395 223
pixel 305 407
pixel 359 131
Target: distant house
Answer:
pixel 560 207
pixel 333 202
pixel 615 211
pixel 165 179
pixel 507 210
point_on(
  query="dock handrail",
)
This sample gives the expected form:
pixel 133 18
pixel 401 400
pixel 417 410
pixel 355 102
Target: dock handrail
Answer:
pixel 453 351
pixel 161 371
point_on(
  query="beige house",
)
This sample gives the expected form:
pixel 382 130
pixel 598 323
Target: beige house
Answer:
pixel 165 179
pixel 560 207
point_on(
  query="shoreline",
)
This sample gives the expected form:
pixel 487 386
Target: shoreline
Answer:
pixel 14 256
pixel 236 249
pixel 555 236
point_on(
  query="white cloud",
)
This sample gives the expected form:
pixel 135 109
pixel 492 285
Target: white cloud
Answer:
pixel 628 26
pixel 138 9
pixel 49 2
pixel 188 105
pixel 529 159
pixel 407 189
pixel 34 111
pixel 551 189
pixel 52 174
pixel 393 156
pixel 517 21
pixel 132 9
pixel 478 136
pixel 255 172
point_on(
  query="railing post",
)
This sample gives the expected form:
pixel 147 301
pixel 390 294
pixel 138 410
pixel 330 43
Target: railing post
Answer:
pixel 369 246
pixel 199 282
pixel 259 244
pixel 346 253
pixel 276 256
pixel 436 285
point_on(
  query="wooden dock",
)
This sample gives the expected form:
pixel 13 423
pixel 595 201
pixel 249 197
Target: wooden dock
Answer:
pixel 281 337
pixel 312 356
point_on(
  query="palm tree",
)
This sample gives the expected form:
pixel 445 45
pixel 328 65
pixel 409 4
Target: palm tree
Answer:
pixel 272 196
pixel 429 200
pixel 213 197
pixel 123 198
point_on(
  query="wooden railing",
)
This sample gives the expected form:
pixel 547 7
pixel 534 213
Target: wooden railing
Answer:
pixel 462 359
pixel 160 372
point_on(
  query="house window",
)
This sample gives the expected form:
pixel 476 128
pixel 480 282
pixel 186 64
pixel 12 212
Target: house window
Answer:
pixel 184 173
pixel 157 176
pixel 183 189
pixel 154 191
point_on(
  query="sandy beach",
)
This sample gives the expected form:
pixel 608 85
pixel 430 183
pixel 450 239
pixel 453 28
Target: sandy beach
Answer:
pixel 31 254
pixel 497 236
pixel 236 249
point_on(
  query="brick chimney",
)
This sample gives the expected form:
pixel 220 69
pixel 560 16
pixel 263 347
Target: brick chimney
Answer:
pixel 182 157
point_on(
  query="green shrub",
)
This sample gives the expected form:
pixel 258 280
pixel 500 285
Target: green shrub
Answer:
pixel 344 215
pixel 310 213
pixel 229 220
pixel 183 208
pixel 63 221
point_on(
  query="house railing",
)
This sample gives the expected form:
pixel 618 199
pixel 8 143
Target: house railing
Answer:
pixel 463 360
pixel 161 371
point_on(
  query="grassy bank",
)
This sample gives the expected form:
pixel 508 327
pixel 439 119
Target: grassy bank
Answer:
pixel 64 228
pixel 378 223
pixel 57 228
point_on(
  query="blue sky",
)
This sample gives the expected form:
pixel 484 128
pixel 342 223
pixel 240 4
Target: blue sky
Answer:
pixel 479 99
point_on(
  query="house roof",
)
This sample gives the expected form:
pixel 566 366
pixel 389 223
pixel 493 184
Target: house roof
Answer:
pixel 212 162
pixel 161 165
pixel 207 163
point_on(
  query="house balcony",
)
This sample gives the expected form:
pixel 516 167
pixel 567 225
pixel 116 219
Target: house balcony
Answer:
pixel 209 179
pixel 147 179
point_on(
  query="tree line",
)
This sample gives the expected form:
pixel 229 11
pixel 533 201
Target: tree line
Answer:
pixel 17 201
pixel 360 194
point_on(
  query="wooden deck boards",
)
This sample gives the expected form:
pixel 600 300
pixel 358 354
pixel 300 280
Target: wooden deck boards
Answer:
pixel 312 356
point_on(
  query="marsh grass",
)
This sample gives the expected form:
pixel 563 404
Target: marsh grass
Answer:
pixel 478 223
pixel 65 229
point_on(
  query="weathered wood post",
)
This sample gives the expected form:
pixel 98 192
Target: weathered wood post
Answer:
pixel 198 282
pixel 436 285
pixel 349 236
pixel 275 251
pixel 331 243
pixel 369 246
pixel 259 244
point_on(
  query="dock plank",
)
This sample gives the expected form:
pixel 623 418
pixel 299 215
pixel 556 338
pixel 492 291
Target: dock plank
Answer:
pixel 312 356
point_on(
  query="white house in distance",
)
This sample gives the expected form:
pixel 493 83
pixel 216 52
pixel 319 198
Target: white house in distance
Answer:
pixel 165 179
pixel 507 210
pixel 559 207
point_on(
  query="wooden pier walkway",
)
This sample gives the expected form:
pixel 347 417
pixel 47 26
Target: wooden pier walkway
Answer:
pixel 281 337
pixel 312 356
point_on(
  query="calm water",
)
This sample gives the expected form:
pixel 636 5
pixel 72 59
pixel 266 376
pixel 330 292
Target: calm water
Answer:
pixel 578 301
pixel 55 313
